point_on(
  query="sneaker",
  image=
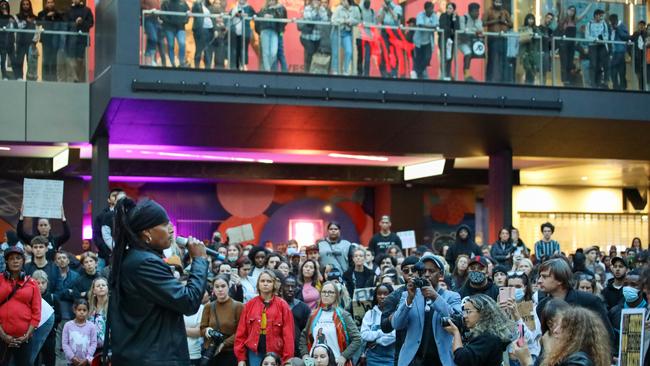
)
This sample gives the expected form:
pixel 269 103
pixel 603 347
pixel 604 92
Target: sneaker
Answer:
pixel 414 75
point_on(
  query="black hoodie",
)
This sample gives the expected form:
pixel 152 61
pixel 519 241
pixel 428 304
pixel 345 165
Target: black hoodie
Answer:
pixel 611 294
pixel 467 247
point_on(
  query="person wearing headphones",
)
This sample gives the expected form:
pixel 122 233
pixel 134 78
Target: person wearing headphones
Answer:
pixel 20 309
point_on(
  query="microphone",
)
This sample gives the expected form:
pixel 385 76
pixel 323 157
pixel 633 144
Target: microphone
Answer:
pixel 182 242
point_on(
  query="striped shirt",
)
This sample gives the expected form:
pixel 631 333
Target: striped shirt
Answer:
pixel 546 248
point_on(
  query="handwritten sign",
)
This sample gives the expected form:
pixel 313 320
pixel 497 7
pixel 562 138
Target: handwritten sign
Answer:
pixel 361 303
pixel 525 309
pixel 42 198
pixel 240 234
pixel 408 239
pixel 631 337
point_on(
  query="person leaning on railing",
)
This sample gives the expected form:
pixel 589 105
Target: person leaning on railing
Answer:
pixel 50 20
pixel 310 34
pixel 471 28
pixel 80 19
pixel 240 34
pixel 174 29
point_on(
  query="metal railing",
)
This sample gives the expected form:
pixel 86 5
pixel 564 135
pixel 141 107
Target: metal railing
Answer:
pixel 380 50
pixel 44 55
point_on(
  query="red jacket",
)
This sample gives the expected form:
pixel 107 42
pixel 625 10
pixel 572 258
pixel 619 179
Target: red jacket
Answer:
pixel 23 309
pixel 279 329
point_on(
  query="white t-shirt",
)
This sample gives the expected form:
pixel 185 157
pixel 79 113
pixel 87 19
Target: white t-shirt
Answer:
pixel 326 327
pixel 194 344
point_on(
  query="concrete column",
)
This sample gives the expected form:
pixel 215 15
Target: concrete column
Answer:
pixel 499 199
pixel 100 172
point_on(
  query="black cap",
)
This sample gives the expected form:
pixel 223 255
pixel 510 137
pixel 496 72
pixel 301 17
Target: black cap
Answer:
pixel 480 260
pixel 410 260
pixel 619 259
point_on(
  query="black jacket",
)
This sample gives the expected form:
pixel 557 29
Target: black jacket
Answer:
pixel 390 306
pixel 586 300
pixel 55 241
pixel 301 313
pixel 612 295
pixel 367 277
pixel 485 350
pixel 50 23
pixel 52 272
pixel 82 284
pixel 105 218
pixel 491 290
pixel 146 310
pixel 500 253
pixel 467 247
pixel 577 359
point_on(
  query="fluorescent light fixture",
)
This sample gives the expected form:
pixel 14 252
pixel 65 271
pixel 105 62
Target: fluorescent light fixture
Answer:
pixel 358 157
pixel 5 148
pixel 61 160
pixel 265 161
pixel 422 170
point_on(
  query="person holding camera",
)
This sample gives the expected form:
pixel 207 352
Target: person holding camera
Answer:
pixel 219 323
pixel 490 333
pixel 147 302
pixel 423 311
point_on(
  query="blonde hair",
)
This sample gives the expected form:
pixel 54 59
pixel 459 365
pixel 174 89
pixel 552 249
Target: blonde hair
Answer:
pixel 274 277
pixel 337 293
pixel 93 301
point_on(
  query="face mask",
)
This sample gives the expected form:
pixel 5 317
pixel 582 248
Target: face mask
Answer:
pixel 519 294
pixel 292 251
pixel 476 278
pixel 233 259
pixel 630 294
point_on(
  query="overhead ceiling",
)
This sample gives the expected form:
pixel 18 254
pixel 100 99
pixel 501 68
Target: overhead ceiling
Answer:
pixel 533 170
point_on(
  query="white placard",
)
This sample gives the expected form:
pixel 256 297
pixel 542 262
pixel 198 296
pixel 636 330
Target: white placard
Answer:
pixel 240 234
pixel 42 198
pixel 631 334
pixel 408 239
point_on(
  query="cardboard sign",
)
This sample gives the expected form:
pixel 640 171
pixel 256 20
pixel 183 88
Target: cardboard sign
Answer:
pixel 408 239
pixel 42 198
pixel 240 234
pixel 631 337
pixel 525 309
pixel 361 303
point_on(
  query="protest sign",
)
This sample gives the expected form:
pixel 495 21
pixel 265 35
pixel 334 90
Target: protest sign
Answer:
pixel 240 234
pixel 631 337
pixel 408 239
pixel 42 198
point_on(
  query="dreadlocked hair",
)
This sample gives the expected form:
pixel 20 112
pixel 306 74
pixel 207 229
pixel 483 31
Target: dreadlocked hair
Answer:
pixel 123 236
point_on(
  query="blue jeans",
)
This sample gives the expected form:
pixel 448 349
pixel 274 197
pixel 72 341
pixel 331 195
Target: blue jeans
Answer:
pixel 39 337
pixel 269 41
pixel 202 40
pixel 282 60
pixel 179 35
pixel 343 40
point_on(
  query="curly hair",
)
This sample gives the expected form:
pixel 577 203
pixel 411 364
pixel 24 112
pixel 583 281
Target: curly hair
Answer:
pixel 581 330
pixel 492 319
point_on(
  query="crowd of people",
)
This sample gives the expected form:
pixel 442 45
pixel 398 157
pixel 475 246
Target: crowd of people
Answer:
pixel 63 55
pixel 286 304
pixel 589 55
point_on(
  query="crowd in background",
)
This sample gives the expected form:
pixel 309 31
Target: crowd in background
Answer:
pixel 282 303
pixel 223 34
pixel 63 55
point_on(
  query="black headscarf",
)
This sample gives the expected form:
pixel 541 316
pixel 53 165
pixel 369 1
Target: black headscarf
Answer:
pixel 146 215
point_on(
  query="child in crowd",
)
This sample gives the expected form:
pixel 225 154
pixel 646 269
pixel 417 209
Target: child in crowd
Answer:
pixel 79 336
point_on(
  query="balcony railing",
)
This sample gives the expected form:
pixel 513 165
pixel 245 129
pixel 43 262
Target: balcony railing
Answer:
pixel 275 44
pixel 43 55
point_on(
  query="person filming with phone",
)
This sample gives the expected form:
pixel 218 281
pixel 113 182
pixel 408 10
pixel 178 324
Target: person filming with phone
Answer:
pixel 147 302
pixel 490 331
pixel 423 311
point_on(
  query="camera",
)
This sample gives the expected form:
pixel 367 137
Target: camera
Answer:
pixel 217 339
pixel 456 319
pixel 420 282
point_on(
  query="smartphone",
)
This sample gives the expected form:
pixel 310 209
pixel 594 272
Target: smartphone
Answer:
pixel 506 293
pixel 521 341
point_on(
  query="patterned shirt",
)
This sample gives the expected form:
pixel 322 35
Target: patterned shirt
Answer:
pixel 313 14
pixel 546 248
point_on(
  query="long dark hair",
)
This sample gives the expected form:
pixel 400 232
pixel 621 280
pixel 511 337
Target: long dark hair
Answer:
pixel 528 16
pixel 27 14
pixel 330 353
